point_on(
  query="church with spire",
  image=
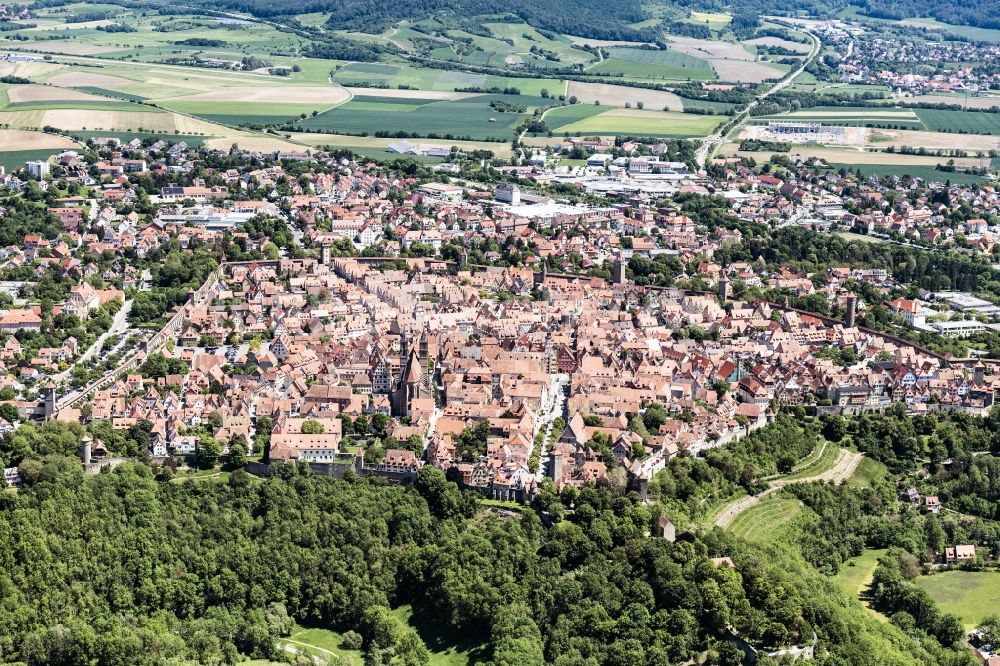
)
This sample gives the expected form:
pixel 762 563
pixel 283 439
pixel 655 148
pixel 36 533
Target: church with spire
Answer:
pixel 416 374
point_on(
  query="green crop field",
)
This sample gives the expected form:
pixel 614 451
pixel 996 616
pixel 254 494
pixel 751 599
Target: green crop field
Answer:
pixel 963 122
pixel 768 521
pixel 468 117
pixel 263 113
pixel 654 64
pixel 424 78
pixel 633 122
pixel 928 173
pixel 112 93
pixel 971 595
pixel 84 104
pixel 572 113
pixel 15 159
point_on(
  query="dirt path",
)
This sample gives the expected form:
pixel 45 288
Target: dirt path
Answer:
pixel 843 468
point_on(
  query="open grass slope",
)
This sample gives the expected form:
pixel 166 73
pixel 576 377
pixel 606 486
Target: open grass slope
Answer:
pixel 855 577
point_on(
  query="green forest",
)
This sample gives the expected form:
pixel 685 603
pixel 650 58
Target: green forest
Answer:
pixel 126 567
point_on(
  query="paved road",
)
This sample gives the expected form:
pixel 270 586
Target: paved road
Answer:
pixel 843 468
pixel 712 142
pixel 556 408
pixel 119 326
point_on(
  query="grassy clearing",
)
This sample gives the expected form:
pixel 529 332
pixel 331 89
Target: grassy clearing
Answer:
pixel 201 475
pixel 849 235
pixel 446 649
pixel 714 20
pixel 323 643
pixel 972 595
pixel 856 574
pixel 768 521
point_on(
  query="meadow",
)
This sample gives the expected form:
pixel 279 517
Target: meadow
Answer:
pixel 972 595
pixel 471 117
pixel 855 576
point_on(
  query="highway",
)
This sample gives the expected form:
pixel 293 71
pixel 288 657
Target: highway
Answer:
pixel 712 142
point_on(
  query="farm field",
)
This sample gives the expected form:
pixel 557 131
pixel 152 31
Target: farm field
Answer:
pixel 798 47
pixel 562 116
pixel 614 95
pixel 938 140
pixel 768 521
pixel 972 595
pixel 931 120
pixel 967 102
pixel 423 78
pixel 228 113
pixel 15 140
pixel 869 471
pixel 15 159
pixel 644 123
pixel 470 117
pixel 714 20
pixel 856 157
pixel 927 173
pixel 966 31
pixel 650 64
pixel 377 145
pixel 960 122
